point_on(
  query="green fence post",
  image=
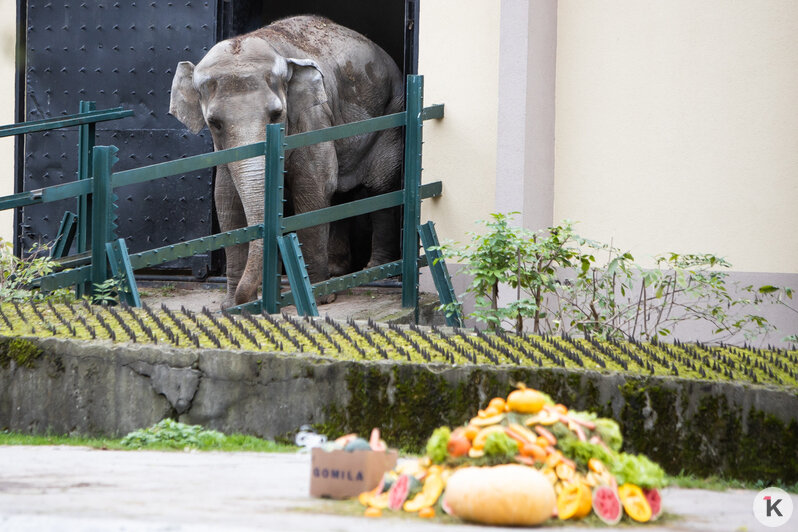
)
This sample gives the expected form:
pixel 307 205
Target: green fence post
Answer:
pixel 272 217
pixel 103 159
pixel 86 136
pixel 412 200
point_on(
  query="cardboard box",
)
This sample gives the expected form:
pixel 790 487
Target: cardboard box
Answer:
pixel 341 474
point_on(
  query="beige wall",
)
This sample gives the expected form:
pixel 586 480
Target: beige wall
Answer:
pixel 676 127
pixel 7 43
pixel 459 58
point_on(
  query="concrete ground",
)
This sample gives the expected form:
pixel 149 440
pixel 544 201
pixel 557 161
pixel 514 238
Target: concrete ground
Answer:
pixel 82 489
pixel 380 303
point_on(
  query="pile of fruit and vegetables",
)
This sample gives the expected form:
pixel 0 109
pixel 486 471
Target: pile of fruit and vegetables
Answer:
pixel 522 461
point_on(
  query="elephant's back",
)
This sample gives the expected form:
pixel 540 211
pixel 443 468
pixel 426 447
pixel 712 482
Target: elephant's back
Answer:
pixel 367 81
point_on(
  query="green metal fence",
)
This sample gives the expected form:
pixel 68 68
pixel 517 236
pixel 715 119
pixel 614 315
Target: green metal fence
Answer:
pixel 100 191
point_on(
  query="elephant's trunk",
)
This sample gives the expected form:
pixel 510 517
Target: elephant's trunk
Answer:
pixel 248 178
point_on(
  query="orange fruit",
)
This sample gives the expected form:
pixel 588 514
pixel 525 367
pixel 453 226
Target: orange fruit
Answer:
pixel 471 431
pixel 554 459
pixel 550 475
pixel 597 466
pixel 564 471
pixel 427 512
pixel 533 450
pixel 372 512
pixel 498 403
pixel 574 501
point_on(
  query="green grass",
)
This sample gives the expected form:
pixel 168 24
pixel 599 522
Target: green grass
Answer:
pixel 723 484
pixel 232 443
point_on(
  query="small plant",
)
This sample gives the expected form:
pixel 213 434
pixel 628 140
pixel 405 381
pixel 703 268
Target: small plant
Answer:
pixel 525 261
pixel 17 274
pixel 173 434
pixel 561 285
pixel 108 292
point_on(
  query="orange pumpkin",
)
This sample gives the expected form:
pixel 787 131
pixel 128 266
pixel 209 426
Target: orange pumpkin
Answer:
pixel 525 400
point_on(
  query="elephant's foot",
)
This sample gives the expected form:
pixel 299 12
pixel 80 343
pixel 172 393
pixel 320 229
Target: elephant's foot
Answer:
pixel 338 269
pixel 377 261
pixel 227 303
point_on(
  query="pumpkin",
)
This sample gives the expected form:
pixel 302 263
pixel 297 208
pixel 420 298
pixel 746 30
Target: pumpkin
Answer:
pixel 500 495
pixel 635 502
pixel 525 400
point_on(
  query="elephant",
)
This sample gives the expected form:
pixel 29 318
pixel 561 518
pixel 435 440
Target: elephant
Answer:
pixel 308 73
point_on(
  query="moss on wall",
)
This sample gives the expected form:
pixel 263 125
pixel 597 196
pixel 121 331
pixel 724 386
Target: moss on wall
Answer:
pixel 685 426
pixel 22 352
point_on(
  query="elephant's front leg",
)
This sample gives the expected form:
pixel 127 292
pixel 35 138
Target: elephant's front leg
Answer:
pixel 231 216
pixel 312 175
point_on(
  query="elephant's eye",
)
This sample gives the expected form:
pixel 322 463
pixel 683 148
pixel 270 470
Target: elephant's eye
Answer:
pixel 214 123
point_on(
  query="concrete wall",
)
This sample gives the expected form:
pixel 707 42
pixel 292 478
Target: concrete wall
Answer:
pixel 676 127
pixel 7 96
pixel 66 386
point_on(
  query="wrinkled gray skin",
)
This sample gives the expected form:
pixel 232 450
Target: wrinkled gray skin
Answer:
pixel 309 73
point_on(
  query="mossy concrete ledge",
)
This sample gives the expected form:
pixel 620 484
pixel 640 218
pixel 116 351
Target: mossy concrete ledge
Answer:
pixel 99 388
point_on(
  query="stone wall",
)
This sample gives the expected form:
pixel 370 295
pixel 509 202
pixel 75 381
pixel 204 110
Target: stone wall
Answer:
pixel 98 388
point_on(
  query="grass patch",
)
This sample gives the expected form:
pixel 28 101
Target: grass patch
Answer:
pixel 714 483
pixel 170 436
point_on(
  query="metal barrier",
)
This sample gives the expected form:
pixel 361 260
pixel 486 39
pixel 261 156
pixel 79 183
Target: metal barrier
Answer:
pixel 100 188
pixel 73 225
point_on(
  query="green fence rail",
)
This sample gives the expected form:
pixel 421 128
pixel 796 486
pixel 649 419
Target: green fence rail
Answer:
pixel 99 189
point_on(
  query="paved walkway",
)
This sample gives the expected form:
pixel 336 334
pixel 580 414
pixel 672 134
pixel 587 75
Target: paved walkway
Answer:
pixel 81 489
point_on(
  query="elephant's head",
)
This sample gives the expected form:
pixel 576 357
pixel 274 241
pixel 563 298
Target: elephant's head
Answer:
pixel 239 87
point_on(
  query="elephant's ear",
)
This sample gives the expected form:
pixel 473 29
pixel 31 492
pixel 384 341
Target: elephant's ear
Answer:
pixel 184 104
pixel 305 86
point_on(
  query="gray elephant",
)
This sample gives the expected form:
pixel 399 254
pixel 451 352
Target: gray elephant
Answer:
pixel 308 73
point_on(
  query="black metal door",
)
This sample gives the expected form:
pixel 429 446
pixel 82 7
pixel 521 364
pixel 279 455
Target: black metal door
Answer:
pixel 117 53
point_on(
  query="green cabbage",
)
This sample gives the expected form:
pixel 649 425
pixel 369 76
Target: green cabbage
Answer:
pixel 581 451
pixel 500 445
pixel 610 433
pixel 436 445
pixel 637 469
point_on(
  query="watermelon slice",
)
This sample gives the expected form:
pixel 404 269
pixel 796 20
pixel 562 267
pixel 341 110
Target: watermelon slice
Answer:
pixel 655 501
pixel 397 495
pixel 607 504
